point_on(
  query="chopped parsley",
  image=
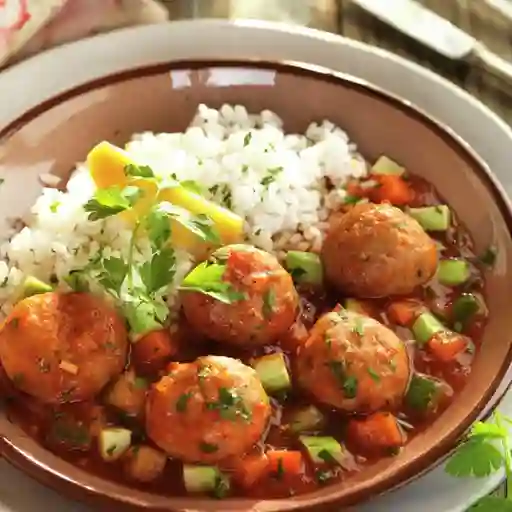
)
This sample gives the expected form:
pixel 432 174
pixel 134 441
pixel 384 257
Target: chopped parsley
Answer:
pixel 373 374
pixel 269 302
pixel 208 447
pixel 138 171
pixel 280 469
pixel 359 326
pixel 350 387
pixel 347 383
pixel 247 139
pixel 488 257
pixel 54 206
pixel 230 406
pixel 271 176
pixel 350 199
pixel 182 402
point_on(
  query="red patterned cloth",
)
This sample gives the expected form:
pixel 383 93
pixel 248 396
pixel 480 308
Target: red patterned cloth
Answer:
pixel 30 26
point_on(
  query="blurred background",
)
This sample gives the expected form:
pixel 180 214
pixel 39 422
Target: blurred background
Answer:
pixel 489 21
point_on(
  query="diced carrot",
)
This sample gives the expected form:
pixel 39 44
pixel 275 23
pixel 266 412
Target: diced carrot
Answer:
pixel 403 312
pixel 379 431
pixel 250 469
pixel 445 346
pixel 393 189
pixel 285 462
pixel 153 349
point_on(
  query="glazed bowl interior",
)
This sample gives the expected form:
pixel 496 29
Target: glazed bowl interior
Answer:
pixel 54 136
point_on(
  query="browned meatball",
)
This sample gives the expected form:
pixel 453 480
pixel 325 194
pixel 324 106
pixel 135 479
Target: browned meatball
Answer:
pixel 354 363
pixel 63 347
pixel 377 251
pixel 208 410
pixel 263 299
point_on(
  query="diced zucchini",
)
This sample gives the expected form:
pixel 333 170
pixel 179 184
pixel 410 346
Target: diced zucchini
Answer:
pixel 205 479
pixel 432 218
pixel 453 272
pixel 425 326
pixel 34 286
pixel 355 306
pixel 307 419
pixel 322 449
pixel 385 165
pixel 114 442
pixel 272 371
pixel 305 267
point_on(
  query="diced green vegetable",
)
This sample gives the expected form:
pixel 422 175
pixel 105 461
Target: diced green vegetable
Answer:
pixel 355 306
pixel 385 165
pixel 421 393
pixel 113 442
pixel 453 272
pixel 203 479
pixel 272 371
pixel 307 419
pixel 425 326
pixel 33 286
pixel 305 267
pixel 323 449
pixel 432 218
pixel 464 308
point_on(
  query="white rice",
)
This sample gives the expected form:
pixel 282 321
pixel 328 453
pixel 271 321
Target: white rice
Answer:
pixel 275 181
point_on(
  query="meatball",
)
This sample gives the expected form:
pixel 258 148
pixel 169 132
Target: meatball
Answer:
pixel 63 347
pixel 376 251
pixel 264 301
pixel 208 410
pixel 354 363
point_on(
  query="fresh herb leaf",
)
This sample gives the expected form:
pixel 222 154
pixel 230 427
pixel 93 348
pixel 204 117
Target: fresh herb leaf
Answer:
pixel 271 176
pixel 54 206
pixel 2 181
pixel 280 469
pixel 160 271
pixel 158 228
pixel 208 447
pixel 111 201
pixel 359 326
pixel 350 387
pixel 373 374
pixel 488 258
pixel 140 383
pixel 269 302
pixel 182 402
pixel 77 281
pixel 113 274
pixel 138 171
pixel 247 139
pixel 476 457
pixel 206 278
pixel 142 314
pixel 421 393
pixel 350 199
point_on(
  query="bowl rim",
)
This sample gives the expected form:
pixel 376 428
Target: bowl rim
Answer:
pixel 39 470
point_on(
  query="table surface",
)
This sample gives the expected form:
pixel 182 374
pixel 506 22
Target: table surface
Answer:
pixel 476 17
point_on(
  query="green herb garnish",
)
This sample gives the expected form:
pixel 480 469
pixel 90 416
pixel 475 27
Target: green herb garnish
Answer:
pixel 138 171
pixel 269 301
pixel 111 201
pixel 207 278
pixel 208 447
pixel 247 138
pixel 182 402
pixel 488 257
pixel 373 374
pixel 421 393
pixel 271 176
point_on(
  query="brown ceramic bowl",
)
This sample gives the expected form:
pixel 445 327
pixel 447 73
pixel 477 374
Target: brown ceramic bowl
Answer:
pixel 54 136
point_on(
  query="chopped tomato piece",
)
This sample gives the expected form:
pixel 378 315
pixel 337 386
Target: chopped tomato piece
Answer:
pixel 404 312
pixel 285 462
pixel 250 469
pixel 392 189
pixel 154 349
pixel 379 431
pixel 445 346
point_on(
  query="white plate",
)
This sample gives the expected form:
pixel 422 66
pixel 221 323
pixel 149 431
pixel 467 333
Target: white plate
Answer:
pixel 68 66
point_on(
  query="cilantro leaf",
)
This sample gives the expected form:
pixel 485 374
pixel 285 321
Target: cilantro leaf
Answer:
pixel 421 393
pixel 138 171
pixel 492 504
pixel 141 314
pixel 476 457
pixel 77 281
pixel 113 274
pixel 111 201
pixel 488 430
pixel 193 186
pixel 206 278
pixel 158 228
pixel 159 272
pixel 201 225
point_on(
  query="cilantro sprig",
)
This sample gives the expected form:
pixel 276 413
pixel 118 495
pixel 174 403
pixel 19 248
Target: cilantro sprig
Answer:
pixel 139 287
pixel 485 451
